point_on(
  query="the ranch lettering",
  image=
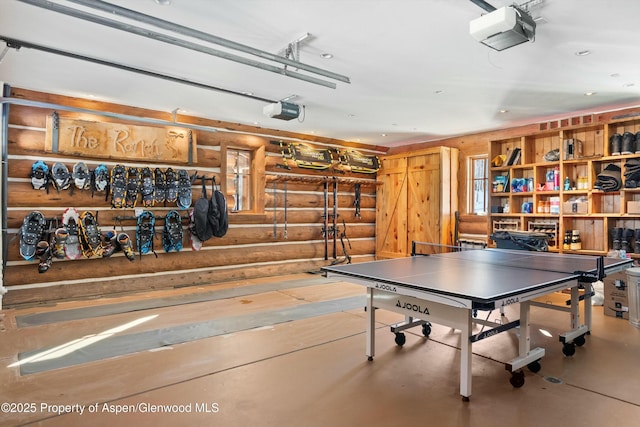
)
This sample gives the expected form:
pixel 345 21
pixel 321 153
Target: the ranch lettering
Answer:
pixel 120 141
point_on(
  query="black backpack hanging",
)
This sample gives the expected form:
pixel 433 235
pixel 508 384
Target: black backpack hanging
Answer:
pixel 201 211
pixel 218 213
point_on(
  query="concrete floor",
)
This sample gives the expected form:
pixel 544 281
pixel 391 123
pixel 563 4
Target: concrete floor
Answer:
pixel 313 371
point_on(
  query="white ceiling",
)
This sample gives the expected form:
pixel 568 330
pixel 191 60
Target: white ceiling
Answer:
pixel 416 73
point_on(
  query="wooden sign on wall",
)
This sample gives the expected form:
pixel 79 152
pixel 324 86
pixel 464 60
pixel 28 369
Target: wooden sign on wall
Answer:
pixel 119 141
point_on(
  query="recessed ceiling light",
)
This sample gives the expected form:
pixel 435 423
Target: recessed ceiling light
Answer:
pixel 583 53
pixel 504 111
pixel 327 55
pixel 614 75
pixel 628 84
pixel 163 2
pixel 438 92
pixel 589 93
pixel 247 93
pixel 383 134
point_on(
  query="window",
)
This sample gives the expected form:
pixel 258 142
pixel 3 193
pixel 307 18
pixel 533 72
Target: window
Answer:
pixel 478 194
pixel 239 180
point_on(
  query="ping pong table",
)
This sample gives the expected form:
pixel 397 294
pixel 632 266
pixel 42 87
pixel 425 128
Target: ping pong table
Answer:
pixel 450 288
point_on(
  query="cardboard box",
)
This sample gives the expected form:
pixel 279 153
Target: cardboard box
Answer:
pixel 569 208
pixel 616 302
pixel 633 207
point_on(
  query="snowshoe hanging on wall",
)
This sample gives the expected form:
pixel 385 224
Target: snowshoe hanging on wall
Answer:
pixel 159 190
pixel 133 188
pixel 90 236
pixel 184 189
pixel 31 231
pixel 81 176
pixel 71 222
pixel 145 232
pixel 171 185
pixel 118 186
pixel 100 179
pixel 40 176
pixel 173 233
pixel 60 176
pixel 147 187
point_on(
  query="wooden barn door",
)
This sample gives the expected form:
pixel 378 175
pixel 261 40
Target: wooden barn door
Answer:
pixel 424 199
pixel 391 209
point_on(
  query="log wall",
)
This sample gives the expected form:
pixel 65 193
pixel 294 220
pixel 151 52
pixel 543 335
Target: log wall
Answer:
pixel 257 244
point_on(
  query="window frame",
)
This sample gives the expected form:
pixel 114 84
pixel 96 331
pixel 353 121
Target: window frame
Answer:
pixel 471 184
pixel 258 180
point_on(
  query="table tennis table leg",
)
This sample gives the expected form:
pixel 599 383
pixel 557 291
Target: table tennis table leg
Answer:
pixel 465 357
pixel 371 320
pixel 526 356
pixel 576 336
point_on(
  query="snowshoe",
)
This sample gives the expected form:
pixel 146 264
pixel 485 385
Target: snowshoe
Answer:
pixel 184 189
pixel 61 236
pixel 40 176
pixel 90 236
pixel 43 252
pixel 145 232
pixel 147 187
pixel 31 232
pixel 118 186
pixel 60 176
pixel 160 187
pixel 173 232
pixel 171 185
pixel 124 243
pixel 81 176
pixel 100 179
pixel 70 222
pixel 133 188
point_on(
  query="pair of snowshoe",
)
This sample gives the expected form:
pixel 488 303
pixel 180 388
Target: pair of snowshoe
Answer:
pixel 172 187
pixel 33 240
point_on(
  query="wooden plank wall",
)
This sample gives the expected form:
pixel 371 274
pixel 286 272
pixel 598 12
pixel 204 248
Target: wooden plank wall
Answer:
pixel 250 248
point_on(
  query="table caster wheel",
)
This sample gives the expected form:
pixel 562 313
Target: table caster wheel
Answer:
pixel 568 349
pixel 465 398
pixel 474 313
pixel 370 358
pixel 534 366
pixel 579 341
pixel 400 339
pixel 426 329
pixel 517 379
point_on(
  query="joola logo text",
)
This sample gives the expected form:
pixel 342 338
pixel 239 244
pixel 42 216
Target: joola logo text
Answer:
pixel 386 287
pixel 412 307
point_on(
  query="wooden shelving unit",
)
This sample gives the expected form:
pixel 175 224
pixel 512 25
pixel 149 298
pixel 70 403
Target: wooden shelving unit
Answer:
pixel 582 207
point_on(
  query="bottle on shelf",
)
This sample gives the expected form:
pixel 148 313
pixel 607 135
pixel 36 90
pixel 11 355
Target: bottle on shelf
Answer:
pixel 567 184
pixel 567 240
